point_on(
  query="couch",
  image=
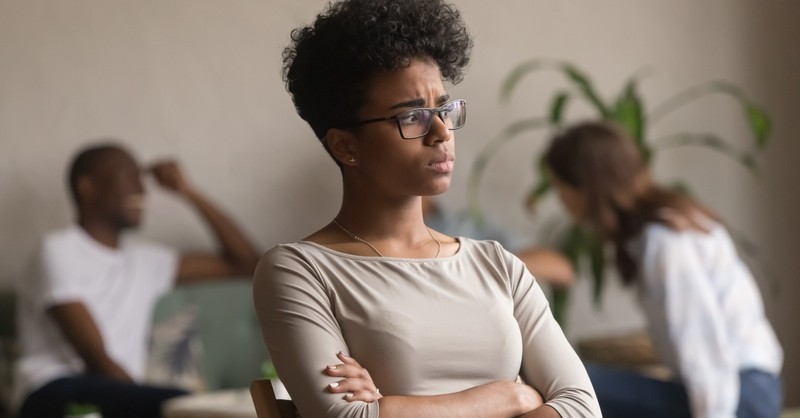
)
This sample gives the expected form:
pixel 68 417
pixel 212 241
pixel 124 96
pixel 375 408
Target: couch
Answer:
pixel 220 320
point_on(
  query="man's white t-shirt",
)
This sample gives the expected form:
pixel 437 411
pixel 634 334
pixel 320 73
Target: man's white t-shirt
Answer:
pixel 119 288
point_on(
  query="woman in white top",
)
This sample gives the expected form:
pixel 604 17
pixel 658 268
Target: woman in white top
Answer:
pixel 443 326
pixel 702 304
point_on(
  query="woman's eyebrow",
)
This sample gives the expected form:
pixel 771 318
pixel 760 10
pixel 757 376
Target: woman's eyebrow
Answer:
pixel 420 102
pixel 410 103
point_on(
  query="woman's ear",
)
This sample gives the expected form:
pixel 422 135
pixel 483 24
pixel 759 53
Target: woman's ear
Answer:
pixel 343 146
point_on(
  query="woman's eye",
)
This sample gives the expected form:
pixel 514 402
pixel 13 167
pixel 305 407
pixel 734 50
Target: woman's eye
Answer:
pixel 409 118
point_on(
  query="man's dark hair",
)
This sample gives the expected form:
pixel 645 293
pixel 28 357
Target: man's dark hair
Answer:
pixel 329 63
pixel 86 162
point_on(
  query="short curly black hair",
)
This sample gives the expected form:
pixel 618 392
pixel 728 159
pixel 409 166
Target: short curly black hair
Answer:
pixel 329 63
pixel 87 161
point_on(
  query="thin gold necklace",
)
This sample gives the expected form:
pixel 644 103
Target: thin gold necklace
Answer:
pixel 359 239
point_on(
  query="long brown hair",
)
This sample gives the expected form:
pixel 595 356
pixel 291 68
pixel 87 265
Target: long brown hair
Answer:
pixel 603 163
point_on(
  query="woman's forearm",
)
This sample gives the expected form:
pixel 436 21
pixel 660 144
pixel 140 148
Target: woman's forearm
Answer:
pixel 501 399
pixel 544 411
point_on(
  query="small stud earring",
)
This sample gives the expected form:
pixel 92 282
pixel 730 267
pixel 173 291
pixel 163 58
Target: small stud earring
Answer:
pixel 352 159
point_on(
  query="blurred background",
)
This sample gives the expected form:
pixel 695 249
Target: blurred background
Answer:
pixel 200 80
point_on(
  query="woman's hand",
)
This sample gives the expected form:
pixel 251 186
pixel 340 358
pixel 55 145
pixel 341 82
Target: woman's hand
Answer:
pixel 356 383
pixel 529 395
pixel 523 397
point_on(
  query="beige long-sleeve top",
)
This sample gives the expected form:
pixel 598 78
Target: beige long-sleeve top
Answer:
pixel 420 326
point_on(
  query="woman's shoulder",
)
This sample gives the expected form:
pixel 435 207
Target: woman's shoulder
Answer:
pixel 660 238
pixel 297 250
pixel 289 256
pixel 488 252
pixel 283 249
pixel 485 246
pixel 703 228
pixel 294 262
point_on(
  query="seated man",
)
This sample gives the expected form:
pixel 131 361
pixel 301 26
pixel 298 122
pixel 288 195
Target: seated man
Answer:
pixel 546 265
pixel 84 316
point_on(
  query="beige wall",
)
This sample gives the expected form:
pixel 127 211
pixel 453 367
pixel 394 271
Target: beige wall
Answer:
pixel 200 80
pixel 776 220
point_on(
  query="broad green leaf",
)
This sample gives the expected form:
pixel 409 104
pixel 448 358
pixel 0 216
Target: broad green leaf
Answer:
pixel 586 87
pixel 536 193
pixel 557 108
pixel 579 244
pixel 711 142
pixel 759 124
pixel 628 112
pixel 543 185
pixel 573 246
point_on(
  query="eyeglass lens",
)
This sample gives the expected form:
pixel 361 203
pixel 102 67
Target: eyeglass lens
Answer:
pixel 416 123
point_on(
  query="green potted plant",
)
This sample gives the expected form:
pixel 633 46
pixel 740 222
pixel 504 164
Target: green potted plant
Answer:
pixel 628 110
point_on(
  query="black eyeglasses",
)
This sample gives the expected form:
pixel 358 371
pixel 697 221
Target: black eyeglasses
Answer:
pixel 416 123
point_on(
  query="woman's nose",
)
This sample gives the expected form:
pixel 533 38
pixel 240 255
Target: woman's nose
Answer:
pixel 438 131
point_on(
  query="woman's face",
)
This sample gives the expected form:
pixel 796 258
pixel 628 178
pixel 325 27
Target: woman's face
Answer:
pixel 394 165
pixel 572 198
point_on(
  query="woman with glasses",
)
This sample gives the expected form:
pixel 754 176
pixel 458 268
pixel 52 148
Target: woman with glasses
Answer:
pixel 445 327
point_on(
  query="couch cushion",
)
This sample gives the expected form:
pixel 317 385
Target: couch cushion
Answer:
pixel 226 323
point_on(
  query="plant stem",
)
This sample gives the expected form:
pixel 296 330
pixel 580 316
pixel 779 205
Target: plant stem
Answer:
pixel 488 152
pixel 710 141
pixel 693 93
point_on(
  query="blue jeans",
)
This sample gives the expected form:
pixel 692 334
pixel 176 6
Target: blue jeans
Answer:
pixel 627 394
pixel 115 399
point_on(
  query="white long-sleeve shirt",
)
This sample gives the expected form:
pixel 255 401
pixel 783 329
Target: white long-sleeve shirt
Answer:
pixel 705 313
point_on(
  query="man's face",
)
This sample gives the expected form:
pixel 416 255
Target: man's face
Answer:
pixel 119 193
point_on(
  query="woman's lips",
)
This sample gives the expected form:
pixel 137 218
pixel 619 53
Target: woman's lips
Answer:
pixel 443 164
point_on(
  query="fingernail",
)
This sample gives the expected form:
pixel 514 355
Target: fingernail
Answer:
pixel 349 395
pixel 343 354
pixel 334 384
pixel 332 367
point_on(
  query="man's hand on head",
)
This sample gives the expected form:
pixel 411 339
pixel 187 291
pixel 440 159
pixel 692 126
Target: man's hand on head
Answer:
pixel 169 175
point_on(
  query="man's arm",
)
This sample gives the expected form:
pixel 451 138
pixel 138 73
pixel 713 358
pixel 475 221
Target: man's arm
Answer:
pixel 237 255
pixel 80 330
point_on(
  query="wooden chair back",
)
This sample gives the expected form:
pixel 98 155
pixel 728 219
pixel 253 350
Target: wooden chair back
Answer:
pixel 267 406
